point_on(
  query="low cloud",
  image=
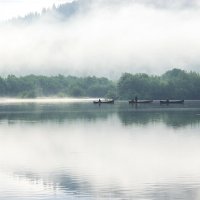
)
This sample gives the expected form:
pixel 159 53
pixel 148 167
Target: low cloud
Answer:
pixel 175 4
pixel 106 39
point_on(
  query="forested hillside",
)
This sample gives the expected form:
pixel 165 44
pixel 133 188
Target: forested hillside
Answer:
pixel 174 84
pixel 61 12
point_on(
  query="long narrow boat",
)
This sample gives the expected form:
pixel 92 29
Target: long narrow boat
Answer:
pixel 111 101
pixel 171 101
pixel 140 101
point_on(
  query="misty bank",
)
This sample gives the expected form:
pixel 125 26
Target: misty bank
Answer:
pixel 173 84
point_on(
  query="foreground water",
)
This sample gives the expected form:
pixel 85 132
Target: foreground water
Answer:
pixel 61 149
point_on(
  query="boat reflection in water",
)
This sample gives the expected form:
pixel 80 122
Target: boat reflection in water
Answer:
pixel 171 101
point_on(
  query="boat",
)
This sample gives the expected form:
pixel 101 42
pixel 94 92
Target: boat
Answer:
pixel 111 101
pixel 171 101
pixel 140 101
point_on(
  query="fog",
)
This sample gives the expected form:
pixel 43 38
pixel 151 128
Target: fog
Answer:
pixel 15 8
pixel 105 39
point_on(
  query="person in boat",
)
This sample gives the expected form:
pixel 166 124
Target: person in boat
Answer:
pixel 99 100
pixel 136 99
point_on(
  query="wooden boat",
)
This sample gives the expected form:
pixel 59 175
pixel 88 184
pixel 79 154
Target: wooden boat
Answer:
pixel 111 101
pixel 140 101
pixel 171 101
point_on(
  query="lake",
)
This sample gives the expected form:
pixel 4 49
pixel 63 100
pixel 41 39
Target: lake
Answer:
pixel 73 149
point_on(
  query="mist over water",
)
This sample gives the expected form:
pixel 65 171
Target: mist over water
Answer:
pixel 80 150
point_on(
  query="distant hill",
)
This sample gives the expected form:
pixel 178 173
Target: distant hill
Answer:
pixel 62 12
pixel 69 9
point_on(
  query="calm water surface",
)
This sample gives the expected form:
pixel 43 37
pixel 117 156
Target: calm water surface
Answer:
pixel 77 150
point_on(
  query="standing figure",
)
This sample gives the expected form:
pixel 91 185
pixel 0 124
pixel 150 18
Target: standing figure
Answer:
pixel 136 99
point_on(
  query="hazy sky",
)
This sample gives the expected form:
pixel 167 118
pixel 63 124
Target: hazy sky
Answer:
pixel 108 38
pixel 14 8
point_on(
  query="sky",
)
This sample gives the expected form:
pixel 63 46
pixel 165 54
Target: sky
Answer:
pixel 104 38
pixel 14 8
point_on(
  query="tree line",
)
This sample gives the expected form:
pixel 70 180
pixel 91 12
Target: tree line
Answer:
pixel 61 13
pixel 174 84
pixel 37 86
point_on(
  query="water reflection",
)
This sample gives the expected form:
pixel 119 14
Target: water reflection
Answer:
pixel 53 112
pixel 170 118
pixel 173 115
pixel 81 151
